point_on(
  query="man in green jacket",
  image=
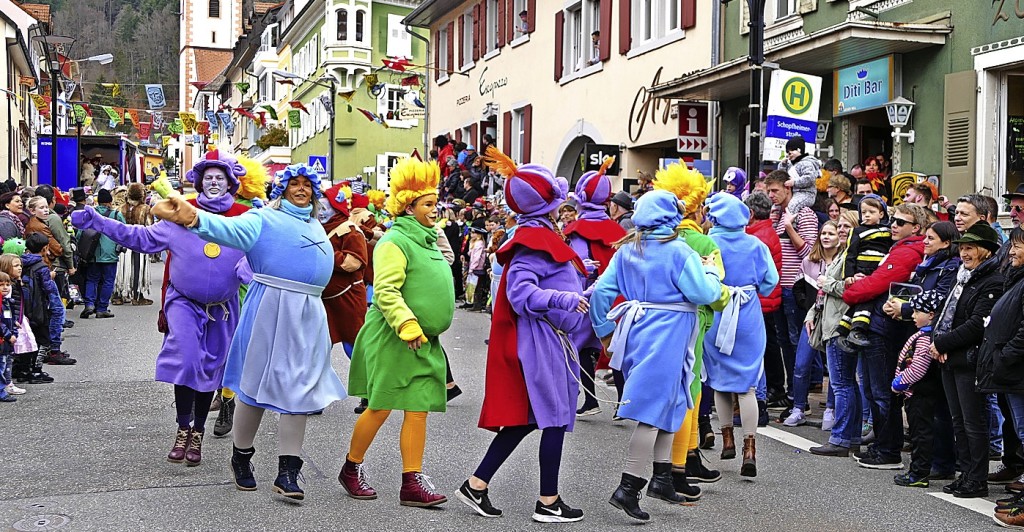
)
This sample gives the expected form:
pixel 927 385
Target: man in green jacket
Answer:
pixel 101 268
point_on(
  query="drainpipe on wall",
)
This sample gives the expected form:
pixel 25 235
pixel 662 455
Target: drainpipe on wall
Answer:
pixel 426 90
pixel 714 110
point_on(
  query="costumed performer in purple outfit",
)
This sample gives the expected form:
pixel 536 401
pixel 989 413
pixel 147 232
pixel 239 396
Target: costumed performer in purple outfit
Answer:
pixel 201 302
pixel 539 316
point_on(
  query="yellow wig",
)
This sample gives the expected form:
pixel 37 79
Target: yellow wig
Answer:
pixel 376 197
pixel 254 182
pixel 688 185
pixel 411 179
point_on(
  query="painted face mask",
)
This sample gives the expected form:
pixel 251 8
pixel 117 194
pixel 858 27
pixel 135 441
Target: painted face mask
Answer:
pixel 326 211
pixel 215 183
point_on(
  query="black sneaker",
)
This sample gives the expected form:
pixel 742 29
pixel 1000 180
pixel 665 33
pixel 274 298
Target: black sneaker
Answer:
pixel 866 453
pixel 104 314
pixel 363 404
pixel 478 500
pixel 858 338
pixel 241 468
pixel 780 403
pixel 909 480
pixel 87 312
pixel 586 411
pixel 68 324
pixel 556 512
pixel 877 461
pixel 953 486
pixel 970 489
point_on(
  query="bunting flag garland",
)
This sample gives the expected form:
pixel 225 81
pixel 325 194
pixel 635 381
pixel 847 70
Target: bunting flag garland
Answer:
pixel 203 127
pixel 158 120
pixel 245 112
pixel 325 100
pixel 120 114
pixel 411 81
pixel 88 121
pixel 211 117
pixel 271 111
pixel 165 141
pixel 115 88
pixel 85 106
pixel 133 115
pixel 176 127
pixel 261 118
pixel 40 104
pixel 155 94
pixel 188 122
pixel 200 85
pixel 347 96
pixel 294 118
pixel 242 87
pixel 80 113
pixel 298 105
pixel 369 116
pixel 111 115
pixel 227 122
pixel 396 64
pixel 145 128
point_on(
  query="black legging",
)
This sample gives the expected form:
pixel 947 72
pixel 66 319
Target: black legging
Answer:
pixel 588 360
pixel 192 407
pixel 506 441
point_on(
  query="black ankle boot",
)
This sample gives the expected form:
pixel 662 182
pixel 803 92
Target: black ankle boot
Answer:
pixel 696 470
pixel 287 483
pixel 661 486
pixel 241 468
pixel 683 487
pixel 707 434
pixel 627 497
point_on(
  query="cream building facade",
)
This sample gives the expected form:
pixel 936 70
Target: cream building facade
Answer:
pixel 538 79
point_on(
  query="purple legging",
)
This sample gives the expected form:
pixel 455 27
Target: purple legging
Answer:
pixel 506 441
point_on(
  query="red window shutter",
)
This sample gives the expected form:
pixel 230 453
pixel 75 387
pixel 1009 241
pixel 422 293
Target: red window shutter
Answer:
pixel 483 28
pixel 462 34
pixel 510 20
pixel 605 45
pixel 531 15
pixel 559 22
pixel 506 133
pixel 437 57
pixel 689 14
pixel 527 132
pixel 451 48
pixel 473 130
pixel 476 32
pixel 625 37
pixel 500 19
pixel 458 136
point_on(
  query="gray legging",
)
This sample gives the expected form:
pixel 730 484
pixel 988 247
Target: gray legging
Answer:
pixel 291 429
pixel 748 410
pixel 647 441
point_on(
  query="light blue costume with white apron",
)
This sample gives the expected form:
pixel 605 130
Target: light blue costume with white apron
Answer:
pixel 657 325
pixel 280 355
pixel 734 346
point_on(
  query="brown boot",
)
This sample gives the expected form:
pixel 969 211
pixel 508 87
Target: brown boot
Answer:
pixel 728 444
pixel 749 468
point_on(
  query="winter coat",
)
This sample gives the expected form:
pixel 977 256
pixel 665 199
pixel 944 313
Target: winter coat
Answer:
pixel 53 248
pixel 9 229
pixel 1001 355
pixel 830 313
pixel 106 249
pixel 979 295
pixel 807 169
pixel 764 231
pixel 897 267
pixel 936 273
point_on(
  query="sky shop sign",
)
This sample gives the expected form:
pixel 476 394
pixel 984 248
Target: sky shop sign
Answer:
pixel 865 86
pixel 792 111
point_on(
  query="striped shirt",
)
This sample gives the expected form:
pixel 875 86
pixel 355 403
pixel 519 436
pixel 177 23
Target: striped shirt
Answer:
pixel 915 358
pixel 806 225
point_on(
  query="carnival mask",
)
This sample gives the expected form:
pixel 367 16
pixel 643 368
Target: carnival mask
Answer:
pixel 215 183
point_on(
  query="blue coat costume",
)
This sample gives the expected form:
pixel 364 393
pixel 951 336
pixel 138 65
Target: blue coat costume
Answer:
pixel 734 346
pixel 280 355
pixel 663 286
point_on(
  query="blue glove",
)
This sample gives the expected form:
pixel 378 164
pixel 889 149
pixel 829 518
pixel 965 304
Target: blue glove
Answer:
pixel 898 385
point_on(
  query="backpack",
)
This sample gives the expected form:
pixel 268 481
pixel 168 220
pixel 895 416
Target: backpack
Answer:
pixel 89 242
pixel 37 308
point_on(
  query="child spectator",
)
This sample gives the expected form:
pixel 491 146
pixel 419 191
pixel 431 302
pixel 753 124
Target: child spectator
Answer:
pixel 919 383
pixel 869 244
pixel 478 267
pixel 39 210
pixel 804 170
pixel 43 305
pixel 26 367
pixel 8 335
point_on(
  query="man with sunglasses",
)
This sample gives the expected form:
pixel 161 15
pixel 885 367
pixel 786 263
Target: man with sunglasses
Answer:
pixel 1016 199
pixel 885 335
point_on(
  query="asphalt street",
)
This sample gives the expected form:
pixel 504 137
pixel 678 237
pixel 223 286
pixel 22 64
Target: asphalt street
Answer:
pixel 88 453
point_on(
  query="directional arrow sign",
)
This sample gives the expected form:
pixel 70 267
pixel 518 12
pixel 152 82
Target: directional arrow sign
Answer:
pixel 691 144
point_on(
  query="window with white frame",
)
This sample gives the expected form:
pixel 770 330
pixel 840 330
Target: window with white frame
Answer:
pixel 360 23
pixel 522 28
pixel 342 16
pixel 442 53
pixel 389 106
pixel 214 9
pixel 582 19
pixel 269 39
pixel 466 50
pixel 399 41
pixel 654 19
pixel 776 10
pixel 492 26
pixel 518 134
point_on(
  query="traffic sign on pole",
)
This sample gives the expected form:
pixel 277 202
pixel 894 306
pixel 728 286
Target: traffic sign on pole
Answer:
pixel 319 164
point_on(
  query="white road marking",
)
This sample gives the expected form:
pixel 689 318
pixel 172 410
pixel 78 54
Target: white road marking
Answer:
pixel 788 438
pixel 982 506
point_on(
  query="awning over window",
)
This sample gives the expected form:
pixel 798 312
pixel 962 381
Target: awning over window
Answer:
pixel 818 53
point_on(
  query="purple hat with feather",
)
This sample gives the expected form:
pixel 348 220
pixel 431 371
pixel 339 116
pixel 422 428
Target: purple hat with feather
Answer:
pixel 534 191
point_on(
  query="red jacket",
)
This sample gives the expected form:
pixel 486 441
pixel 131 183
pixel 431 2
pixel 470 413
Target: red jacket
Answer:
pixel 764 231
pixel 904 256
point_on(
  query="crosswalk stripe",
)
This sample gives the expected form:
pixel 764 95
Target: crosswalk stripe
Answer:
pixel 982 506
pixel 789 439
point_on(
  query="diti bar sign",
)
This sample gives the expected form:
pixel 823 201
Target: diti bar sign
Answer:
pixel 793 103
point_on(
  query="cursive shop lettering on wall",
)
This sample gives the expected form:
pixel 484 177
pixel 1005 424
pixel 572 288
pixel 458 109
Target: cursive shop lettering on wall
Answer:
pixel 646 107
pixel 1002 10
pixel 488 88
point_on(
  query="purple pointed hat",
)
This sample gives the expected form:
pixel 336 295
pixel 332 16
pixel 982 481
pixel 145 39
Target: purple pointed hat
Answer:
pixel 534 191
pixel 594 188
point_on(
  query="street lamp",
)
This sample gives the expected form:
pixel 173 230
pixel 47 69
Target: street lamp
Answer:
pixel 330 111
pixel 755 39
pixel 79 124
pixel 103 59
pixel 53 63
pixel 898 111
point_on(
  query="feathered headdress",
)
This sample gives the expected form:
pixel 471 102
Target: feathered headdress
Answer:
pixel 254 182
pixel 411 179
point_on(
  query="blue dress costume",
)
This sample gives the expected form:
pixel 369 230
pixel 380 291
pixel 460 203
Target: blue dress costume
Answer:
pixel 734 346
pixel 280 355
pixel 663 286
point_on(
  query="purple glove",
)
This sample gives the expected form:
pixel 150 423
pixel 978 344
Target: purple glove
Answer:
pixel 84 218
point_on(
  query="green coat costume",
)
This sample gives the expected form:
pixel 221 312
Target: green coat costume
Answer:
pixel 704 246
pixel 412 281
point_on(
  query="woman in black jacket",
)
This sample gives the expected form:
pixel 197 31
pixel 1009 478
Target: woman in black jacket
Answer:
pixel 959 330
